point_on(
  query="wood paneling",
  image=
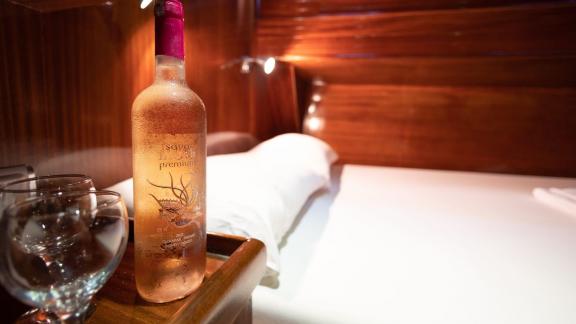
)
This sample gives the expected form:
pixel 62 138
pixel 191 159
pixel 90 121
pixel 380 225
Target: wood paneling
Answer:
pixel 68 78
pixel 480 85
pixel 556 71
pixel 517 30
pixel 219 32
pixel 275 100
pixel 463 128
pixel 58 5
pixel 291 8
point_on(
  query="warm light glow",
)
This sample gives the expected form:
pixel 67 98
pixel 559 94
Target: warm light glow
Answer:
pixel 312 108
pixel 145 4
pixel 245 68
pixel 314 123
pixel 316 97
pixel 318 82
pixel 269 65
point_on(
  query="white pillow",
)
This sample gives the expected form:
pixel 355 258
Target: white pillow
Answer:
pixel 296 166
pixel 259 193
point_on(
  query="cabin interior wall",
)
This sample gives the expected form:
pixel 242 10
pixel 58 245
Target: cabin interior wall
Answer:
pixel 487 86
pixel 482 86
pixel 69 76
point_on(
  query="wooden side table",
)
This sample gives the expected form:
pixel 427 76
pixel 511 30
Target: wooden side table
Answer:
pixel 234 267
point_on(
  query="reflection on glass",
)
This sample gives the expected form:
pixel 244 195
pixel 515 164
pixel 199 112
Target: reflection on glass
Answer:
pixel 57 251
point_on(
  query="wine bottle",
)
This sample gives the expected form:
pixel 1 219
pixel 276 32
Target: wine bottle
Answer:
pixel 169 170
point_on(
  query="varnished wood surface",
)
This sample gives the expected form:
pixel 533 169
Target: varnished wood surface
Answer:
pixel 75 97
pixel 466 128
pixel 58 5
pixel 229 290
pixel 291 8
pixel 481 85
pixel 539 29
pixel 232 272
pixel 275 98
pixel 555 71
pixel 221 298
pixel 68 78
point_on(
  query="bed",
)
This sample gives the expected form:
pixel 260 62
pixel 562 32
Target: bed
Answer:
pixel 365 244
pixel 483 86
pixel 396 245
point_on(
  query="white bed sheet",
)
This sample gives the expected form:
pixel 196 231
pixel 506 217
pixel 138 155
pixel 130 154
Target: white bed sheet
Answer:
pixel 394 245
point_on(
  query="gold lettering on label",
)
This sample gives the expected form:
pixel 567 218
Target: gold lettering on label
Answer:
pixel 176 155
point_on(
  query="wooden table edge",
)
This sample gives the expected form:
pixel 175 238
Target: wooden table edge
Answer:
pixel 228 291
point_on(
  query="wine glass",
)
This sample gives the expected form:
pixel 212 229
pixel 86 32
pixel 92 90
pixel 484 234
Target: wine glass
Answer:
pixel 39 186
pixel 35 187
pixel 58 250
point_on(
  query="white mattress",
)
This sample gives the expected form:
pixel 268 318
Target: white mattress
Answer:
pixel 393 245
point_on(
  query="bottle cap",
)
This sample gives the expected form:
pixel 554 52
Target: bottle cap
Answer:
pixel 169 25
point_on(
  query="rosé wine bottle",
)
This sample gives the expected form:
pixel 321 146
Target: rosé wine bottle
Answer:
pixel 169 161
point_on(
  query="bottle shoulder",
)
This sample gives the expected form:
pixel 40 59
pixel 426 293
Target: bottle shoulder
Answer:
pixel 166 108
pixel 168 95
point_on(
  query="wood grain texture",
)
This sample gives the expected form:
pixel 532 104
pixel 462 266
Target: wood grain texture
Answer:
pixel 481 85
pixel 547 29
pixel 291 8
pixel 466 128
pixel 74 96
pixel 554 71
pixel 58 5
pixel 229 290
pixel 219 32
pixel 68 79
pixel 275 99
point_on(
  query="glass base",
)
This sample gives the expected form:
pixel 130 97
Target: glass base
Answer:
pixel 38 316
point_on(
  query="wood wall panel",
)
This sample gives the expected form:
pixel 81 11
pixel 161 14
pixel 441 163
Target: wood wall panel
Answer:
pixel 291 8
pixel 548 29
pixel 56 5
pixel 219 32
pixel 475 128
pixel 480 85
pixel 68 78
pixel 275 100
pixel 72 77
pixel 557 71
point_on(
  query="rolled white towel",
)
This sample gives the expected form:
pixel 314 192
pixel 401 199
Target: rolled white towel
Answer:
pixel 560 199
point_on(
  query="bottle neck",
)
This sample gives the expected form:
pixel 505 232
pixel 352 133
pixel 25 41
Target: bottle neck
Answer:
pixel 170 69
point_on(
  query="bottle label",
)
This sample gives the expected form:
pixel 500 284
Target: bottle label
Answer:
pixel 180 206
pixel 170 210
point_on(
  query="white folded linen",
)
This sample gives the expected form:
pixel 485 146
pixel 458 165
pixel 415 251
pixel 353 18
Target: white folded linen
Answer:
pixel 561 199
pixel 259 193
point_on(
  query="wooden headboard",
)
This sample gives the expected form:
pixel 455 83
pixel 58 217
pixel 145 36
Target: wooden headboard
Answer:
pixel 479 85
